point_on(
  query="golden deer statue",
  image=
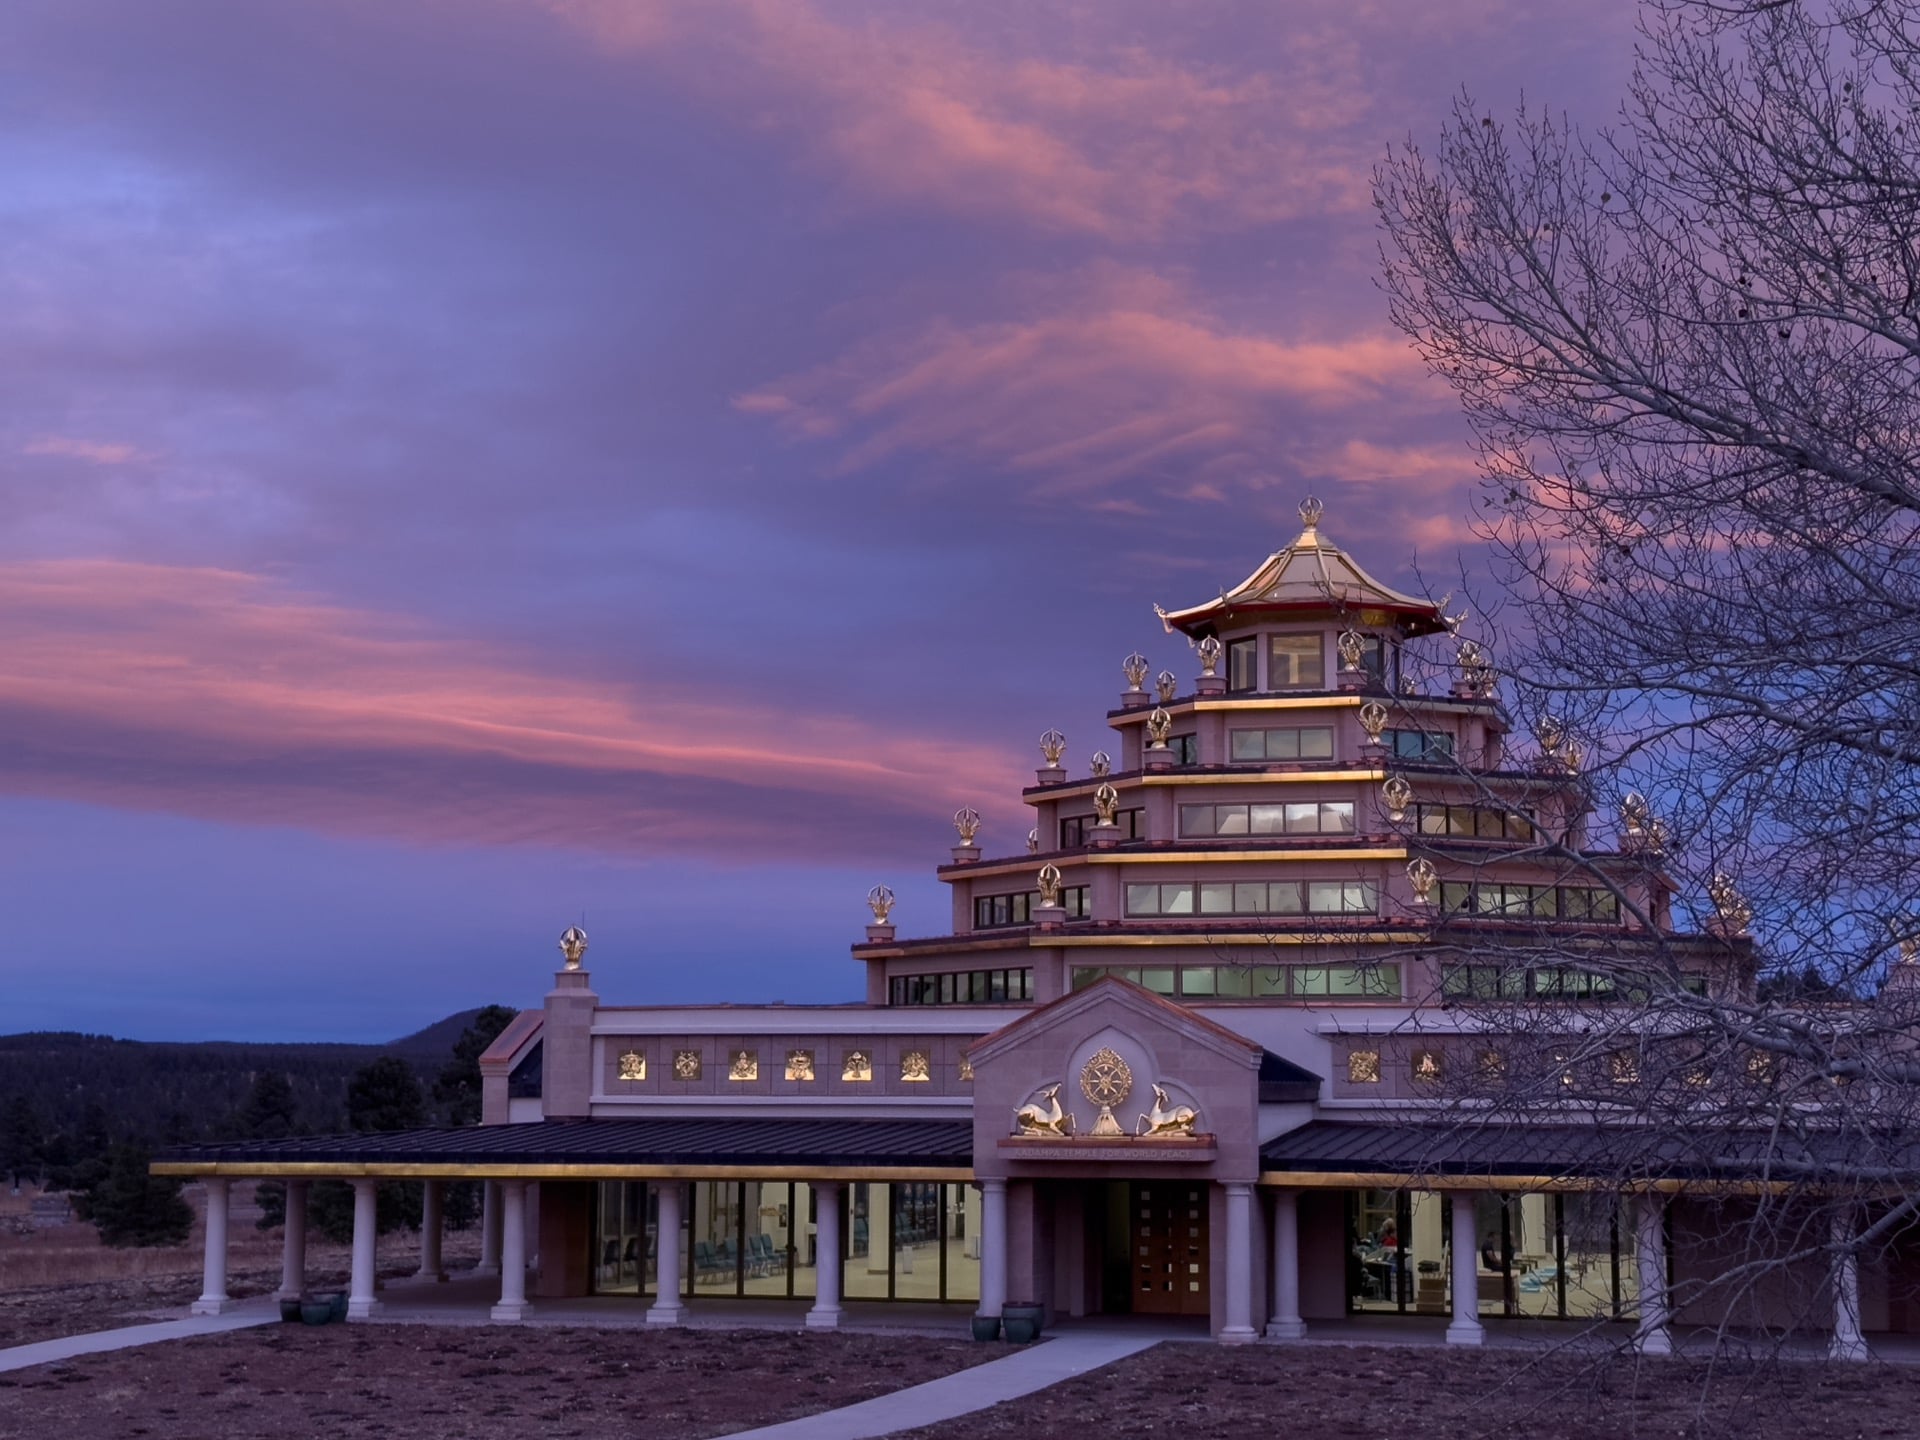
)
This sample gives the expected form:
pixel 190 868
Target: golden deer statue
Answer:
pixel 1166 1119
pixel 1034 1119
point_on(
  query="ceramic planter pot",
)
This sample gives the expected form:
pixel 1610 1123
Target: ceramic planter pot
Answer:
pixel 1022 1322
pixel 315 1312
pixel 338 1302
pixel 290 1312
pixel 986 1327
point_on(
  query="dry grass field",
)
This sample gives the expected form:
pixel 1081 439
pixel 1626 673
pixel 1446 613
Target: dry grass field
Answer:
pixel 61 1280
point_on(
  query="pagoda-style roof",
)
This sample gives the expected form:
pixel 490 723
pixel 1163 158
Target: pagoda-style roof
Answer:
pixel 1310 577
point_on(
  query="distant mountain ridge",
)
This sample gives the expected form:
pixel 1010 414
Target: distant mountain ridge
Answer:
pixel 171 1091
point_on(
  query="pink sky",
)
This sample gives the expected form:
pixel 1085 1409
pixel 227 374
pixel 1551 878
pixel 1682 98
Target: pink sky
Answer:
pixel 471 464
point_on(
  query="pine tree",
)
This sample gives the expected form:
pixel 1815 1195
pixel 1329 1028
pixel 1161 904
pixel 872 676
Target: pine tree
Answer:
pixel 383 1095
pixel 268 1113
pixel 457 1087
pixel 23 1141
pixel 132 1207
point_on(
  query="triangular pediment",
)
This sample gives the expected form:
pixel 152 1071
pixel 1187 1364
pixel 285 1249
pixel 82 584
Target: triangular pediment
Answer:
pixel 1105 1002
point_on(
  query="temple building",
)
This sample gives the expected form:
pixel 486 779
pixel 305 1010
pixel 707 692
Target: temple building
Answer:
pixel 1185 1052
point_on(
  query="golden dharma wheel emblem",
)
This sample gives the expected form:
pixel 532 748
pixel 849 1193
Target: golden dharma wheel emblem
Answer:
pixel 1106 1081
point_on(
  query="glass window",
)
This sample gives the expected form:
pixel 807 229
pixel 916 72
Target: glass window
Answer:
pixel 1216 899
pixel 1381 661
pixel 1296 662
pixel 1243 665
pixel 1419 745
pixel 1341 897
pixel 1143 899
pixel 1301 817
pixel 1286 897
pixel 1197 980
pixel 1185 748
pixel 1160 982
pixel 1232 980
pixel 992 910
pixel 1307 743
pixel 1176 899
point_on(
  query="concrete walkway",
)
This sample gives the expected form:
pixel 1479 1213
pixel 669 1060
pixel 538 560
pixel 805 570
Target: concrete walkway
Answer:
pixel 963 1392
pixel 44 1352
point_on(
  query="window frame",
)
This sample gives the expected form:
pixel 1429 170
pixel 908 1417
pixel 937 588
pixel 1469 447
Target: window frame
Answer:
pixel 1276 643
pixel 1266 755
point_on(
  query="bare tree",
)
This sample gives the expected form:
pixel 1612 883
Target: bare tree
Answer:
pixel 1689 348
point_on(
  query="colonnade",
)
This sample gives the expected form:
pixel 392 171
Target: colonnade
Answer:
pixel 504 1252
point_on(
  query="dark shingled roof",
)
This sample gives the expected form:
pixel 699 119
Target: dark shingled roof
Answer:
pixel 1594 1151
pixel 730 1142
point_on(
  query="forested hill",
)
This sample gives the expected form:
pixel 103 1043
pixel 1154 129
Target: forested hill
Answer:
pixel 167 1092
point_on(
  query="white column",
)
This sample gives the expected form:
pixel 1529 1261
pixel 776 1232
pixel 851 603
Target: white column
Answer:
pixel 993 1247
pixel 1465 1327
pixel 1239 1317
pixel 1654 1336
pixel 1847 1342
pixel 513 1251
pixel 1286 1323
pixel 293 1249
pixel 825 1314
pixel 668 1308
pixel 360 1301
pixel 213 1291
pixel 430 1227
pixel 489 1229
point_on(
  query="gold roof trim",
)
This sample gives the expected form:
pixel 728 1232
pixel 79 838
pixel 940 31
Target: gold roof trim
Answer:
pixel 1311 572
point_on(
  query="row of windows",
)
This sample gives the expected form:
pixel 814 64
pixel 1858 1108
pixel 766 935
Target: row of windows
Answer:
pixel 1533 902
pixel 1312 742
pixel 1255 897
pixel 1482 822
pixel 992 911
pixel 1548 982
pixel 1257 982
pixel 1076 830
pixel 968 987
pixel 1295 817
pixel 1299 662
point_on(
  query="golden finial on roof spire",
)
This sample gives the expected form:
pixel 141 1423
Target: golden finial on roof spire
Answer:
pixel 1310 512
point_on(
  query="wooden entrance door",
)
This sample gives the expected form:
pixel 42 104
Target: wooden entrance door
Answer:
pixel 1170 1247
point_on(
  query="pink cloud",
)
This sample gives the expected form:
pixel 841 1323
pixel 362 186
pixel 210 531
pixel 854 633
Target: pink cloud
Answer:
pixel 220 694
pixel 96 452
pixel 1430 469
pixel 1123 140
pixel 1125 378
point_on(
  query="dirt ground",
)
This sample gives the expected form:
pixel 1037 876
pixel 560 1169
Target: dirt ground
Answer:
pixel 435 1383
pixel 1339 1393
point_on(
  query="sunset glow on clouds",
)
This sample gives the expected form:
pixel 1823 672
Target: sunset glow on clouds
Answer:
pixel 214 694
pixel 658 458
